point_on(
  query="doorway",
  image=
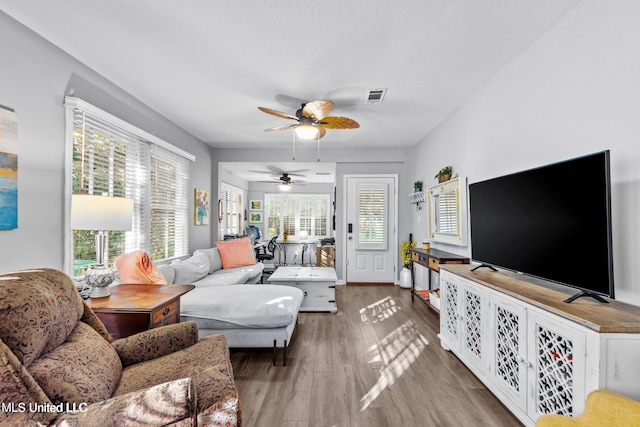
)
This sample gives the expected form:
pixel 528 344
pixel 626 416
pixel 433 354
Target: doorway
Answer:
pixel 370 229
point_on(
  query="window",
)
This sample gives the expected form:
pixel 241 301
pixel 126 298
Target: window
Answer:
pixel 114 158
pixel 372 216
pixel 293 213
pixel 232 210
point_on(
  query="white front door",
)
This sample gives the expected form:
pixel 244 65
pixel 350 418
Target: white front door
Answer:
pixel 371 239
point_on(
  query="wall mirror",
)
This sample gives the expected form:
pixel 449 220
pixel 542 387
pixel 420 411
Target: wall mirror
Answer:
pixel 448 212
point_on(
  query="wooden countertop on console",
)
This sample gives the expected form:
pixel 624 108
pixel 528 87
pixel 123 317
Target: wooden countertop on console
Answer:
pixel 615 317
pixel 441 255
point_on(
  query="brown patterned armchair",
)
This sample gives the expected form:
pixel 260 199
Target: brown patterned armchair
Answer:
pixel 59 366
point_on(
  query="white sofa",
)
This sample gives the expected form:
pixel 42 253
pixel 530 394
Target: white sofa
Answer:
pixel 232 303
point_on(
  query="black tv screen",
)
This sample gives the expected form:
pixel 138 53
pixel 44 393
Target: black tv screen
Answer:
pixel 552 222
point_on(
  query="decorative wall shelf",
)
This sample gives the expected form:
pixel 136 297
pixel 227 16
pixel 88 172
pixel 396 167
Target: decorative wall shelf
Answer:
pixel 417 197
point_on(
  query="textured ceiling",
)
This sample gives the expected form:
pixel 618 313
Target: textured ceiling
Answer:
pixel 206 65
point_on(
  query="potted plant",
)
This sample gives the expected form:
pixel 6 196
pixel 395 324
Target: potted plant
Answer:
pixel 405 273
pixel 444 174
pixel 417 186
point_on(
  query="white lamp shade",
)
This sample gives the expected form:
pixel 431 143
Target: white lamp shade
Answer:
pixel 101 213
pixel 306 132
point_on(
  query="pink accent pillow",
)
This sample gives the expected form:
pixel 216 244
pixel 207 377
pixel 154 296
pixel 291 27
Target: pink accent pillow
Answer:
pixel 137 267
pixel 236 252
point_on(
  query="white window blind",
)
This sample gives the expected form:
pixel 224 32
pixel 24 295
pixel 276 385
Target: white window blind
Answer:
pixel 111 160
pixel 447 213
pixel 297 212
pixel 232 215
pixel 372 216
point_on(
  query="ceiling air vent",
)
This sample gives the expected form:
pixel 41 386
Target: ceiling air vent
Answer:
pixel 375 96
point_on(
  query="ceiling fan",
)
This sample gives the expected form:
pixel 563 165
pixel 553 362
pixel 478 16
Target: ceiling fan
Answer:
pixel 286 182
pixel 312 120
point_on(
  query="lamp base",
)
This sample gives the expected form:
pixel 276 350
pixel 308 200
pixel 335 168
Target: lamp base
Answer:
pixel 99 278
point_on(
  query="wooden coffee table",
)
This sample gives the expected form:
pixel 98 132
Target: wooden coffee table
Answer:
pixel 317 283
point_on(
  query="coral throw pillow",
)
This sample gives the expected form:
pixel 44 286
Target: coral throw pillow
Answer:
pixel 137 267
pixel 236 252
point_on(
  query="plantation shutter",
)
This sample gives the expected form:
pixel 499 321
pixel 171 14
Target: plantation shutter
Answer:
pixel 320 212
pixel 306 215
pixel 289 216
pixel 294 213
pixel 232 210
pixel 447 213
pixel 273 216
pixel 372 216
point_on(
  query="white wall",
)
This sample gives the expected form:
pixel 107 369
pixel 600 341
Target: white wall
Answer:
pixel 574 92
pixel 34 78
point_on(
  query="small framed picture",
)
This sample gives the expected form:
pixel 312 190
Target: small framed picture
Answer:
pixel 255 205
pixel 255 217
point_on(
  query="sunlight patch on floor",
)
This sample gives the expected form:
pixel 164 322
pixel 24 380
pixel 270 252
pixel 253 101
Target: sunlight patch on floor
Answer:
pixel 379 311
pixel 397 351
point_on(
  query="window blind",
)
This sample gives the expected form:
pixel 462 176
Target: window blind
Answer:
pixel 232 210
pixel 372 222
pixel 447 213
pixel 109 160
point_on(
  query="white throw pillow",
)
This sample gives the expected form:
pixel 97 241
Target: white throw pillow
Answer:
pixel 191 269
pixel 168 272
pixel 214 258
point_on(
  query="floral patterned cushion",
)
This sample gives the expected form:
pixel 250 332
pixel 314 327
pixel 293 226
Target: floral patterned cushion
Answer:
pixel 208 364
pixel 18 387
pixel 171 403
pixel 40 309
pixel 83 369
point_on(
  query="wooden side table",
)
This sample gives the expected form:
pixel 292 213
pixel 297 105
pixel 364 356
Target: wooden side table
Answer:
pixel 135 308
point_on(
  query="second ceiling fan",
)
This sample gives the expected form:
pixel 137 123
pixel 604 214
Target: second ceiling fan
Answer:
pixel 313 120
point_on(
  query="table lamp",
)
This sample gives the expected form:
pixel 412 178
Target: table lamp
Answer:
pixel 101 214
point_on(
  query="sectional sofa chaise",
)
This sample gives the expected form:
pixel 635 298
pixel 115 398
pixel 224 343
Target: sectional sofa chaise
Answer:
pixel 228 298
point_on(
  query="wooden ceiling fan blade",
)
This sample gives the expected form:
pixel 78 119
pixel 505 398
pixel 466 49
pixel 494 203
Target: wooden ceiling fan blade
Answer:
pixel 339 123
pixel 284 127
pixel 317 110
pixel 277 113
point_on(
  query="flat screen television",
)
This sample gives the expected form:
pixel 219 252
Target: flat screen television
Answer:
pixel 551 222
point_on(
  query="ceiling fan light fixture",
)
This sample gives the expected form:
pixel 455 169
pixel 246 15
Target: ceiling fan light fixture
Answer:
pixel 284 187
pixel 306 132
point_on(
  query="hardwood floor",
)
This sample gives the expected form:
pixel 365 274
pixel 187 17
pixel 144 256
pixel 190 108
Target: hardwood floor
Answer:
pixel 377 362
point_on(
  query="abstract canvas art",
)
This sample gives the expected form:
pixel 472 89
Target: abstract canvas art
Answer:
pixel 8 169
pixel 201 207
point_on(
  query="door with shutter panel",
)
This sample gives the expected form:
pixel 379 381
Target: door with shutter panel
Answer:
pixel 371 238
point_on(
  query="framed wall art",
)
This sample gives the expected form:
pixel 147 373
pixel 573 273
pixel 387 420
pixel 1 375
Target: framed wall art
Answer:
pixel 255 217
pixel 255 205
pixel 201 207
pixel 8 169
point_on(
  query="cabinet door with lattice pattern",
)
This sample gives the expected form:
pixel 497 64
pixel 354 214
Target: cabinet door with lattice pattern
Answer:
pixel 508 326
pixel 450 311
pixel 474 326
pixel 558 354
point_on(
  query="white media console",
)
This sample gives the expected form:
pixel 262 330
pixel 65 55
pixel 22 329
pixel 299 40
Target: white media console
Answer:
pixel 536 353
